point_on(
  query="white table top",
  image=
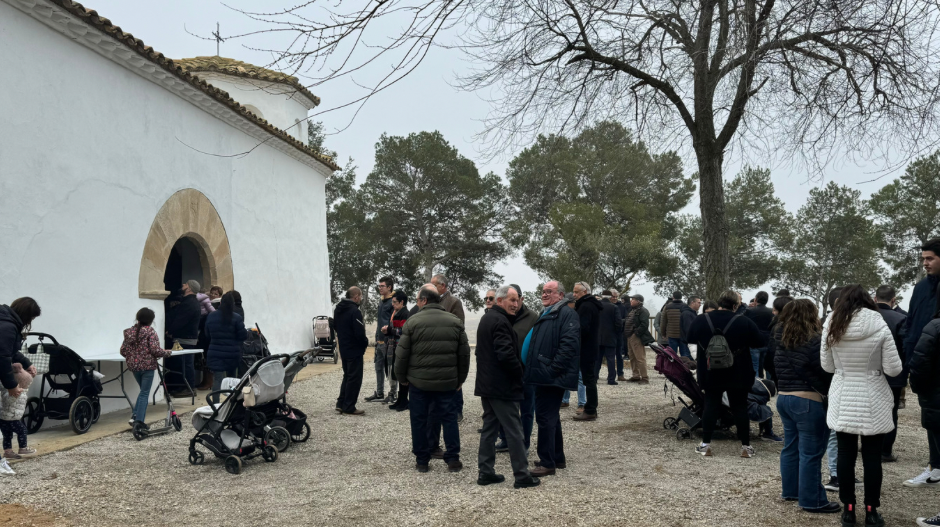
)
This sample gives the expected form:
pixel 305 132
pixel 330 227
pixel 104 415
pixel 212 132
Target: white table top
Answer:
pixel 114 356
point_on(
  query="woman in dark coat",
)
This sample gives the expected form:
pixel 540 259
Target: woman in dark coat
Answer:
pixel 742 335
pixel 225 330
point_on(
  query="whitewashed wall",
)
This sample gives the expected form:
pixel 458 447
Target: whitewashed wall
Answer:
pixel 90 151
pixel 281 109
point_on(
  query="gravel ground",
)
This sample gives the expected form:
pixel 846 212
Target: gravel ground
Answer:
pixel 622 469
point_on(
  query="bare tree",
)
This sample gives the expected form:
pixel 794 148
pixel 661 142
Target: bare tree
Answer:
pixel 810 79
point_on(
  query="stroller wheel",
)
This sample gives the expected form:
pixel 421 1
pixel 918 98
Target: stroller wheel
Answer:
pixel 335 357
pixel 140 433
pixel 32 416
pixel 683 433
pixel 269 454
pixel 670 423
pixel 278 437
pixel 81 415
pixel 303 436
pixel 196 457
pixel 177 424
pixel 233 465
pixel 320 359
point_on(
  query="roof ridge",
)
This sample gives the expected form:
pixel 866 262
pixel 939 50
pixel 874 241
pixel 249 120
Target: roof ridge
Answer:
pixel 239 68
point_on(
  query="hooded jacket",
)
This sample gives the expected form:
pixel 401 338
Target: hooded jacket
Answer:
pixel 554 348
pixel 499 364
pixel 433 353
pixel 350 329
pixel 610 324
pixel 11 339
pixel 589 319
pixel 860 400
pixel 925 374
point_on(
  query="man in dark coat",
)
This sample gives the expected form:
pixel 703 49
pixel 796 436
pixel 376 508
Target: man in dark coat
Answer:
pixel 763 317
pixel 610 326
pixel 886 296
pixel 525 319
pixel 924 381
pixel 589 310
pixel 499 386
pixel 433 357
pixel 550 354
pixel 352 340
pixel 183 327
pixel 636 329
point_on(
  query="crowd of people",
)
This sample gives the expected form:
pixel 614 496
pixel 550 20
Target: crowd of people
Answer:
pixel 840 380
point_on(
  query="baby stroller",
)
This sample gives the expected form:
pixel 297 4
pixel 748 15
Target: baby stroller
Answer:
pixel 69 388
pixel 284 424
pixel 324 336
pixel 229 429
pixel 253 349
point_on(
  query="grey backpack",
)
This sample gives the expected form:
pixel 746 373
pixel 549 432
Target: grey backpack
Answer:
pixel 719 354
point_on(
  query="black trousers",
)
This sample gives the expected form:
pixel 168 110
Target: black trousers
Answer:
pixel 551 447
pixel 737 398
pixel 352 383
pixel 589 380
pixel 871 463
pixel 892 436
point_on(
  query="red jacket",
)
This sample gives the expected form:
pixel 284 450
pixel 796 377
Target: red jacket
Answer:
pixel 142 353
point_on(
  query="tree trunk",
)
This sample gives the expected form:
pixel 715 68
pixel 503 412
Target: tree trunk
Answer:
pixel 715 236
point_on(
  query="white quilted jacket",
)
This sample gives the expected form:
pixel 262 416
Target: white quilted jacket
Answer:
pixel 12 408
pixel 860 400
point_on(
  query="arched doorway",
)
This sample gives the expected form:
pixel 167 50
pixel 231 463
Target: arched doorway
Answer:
pixel 186 241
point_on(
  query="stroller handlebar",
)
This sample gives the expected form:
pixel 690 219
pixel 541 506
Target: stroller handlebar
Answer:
pixel 43 336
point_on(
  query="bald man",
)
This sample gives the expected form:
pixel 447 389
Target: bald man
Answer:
pixel 351 334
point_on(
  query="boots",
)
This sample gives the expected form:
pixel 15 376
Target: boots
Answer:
pixel 206 381
pixel 848 515
pixel 873 518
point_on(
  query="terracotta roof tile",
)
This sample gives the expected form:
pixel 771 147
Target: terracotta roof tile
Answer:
pixel 243 69
pixel 92 18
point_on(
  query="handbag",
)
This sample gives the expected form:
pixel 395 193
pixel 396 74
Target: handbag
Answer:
pixel 38 357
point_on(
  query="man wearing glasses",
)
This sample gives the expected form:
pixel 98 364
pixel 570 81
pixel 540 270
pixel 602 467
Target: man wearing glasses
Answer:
pixel 490 300
pixel 383 355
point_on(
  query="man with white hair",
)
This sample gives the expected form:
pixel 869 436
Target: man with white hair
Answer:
pixel 499 386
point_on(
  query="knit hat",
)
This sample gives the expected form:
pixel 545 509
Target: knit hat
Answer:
pixel 194 286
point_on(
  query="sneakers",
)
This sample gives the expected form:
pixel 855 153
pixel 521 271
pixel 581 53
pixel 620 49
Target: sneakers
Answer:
pixel 771 437
pixel 833 484
pixel 502 447
pixel 705 450
pixel 26 452
pixel 376 396
pixel 748 451
pixel 131 421
pixel 929 522
pixel 388 400
pixel 929 478
pixel 5 469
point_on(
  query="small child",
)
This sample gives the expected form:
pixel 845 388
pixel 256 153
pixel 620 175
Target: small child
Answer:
pixel 142 348
pixel 11 411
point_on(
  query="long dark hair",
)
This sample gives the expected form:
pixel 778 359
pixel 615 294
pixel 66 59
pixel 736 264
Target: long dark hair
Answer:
pixel 852 299
pixel 800 322
pixel 227 307
pixel 27 309
pixel 145 317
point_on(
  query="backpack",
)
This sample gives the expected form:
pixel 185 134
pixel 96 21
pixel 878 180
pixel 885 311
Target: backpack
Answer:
pixel 719 354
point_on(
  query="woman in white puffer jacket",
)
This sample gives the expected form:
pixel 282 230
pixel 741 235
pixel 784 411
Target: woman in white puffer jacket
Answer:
pixel 859 349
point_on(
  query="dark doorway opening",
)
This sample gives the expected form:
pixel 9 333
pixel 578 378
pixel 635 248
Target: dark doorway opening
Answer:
pixel 185 263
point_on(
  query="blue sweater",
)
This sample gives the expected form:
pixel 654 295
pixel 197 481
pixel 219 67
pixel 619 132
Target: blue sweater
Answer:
pixel 922 309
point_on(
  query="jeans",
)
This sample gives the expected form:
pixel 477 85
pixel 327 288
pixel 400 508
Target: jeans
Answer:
pixel 582 394
pixel 609 353
pixel 805 435
pixel 435 424
pixel 500 414
pixel 217 377
pixel 832 455
pixel 888 448
pixel 871 463
pixel 383 361
pixel 757 357
pixel 681 347
pixel 620 353
pixel 350 386
pixel 145 381
pixel 551 448
pixel 737 398
pixel 424 407
pixel 933 442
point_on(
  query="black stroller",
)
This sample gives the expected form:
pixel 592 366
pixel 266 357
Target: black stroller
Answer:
pixel 234 428
pixel 67 375
pixel 324 336
pixel 253 349
pixel 287 424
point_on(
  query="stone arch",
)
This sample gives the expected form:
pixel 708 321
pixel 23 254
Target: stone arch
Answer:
pixel 187 214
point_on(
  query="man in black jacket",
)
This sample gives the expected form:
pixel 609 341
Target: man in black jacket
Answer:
pixel 762 316
pixel 588 309
pixel 183 327
pixel 351 334
pixel 886 296
pixel 499 386
pixel 610 326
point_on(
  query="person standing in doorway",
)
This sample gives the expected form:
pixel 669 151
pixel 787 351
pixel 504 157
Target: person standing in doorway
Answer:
pixel 637 332
pixel 183 327
pixel 352 340
pixel 382 357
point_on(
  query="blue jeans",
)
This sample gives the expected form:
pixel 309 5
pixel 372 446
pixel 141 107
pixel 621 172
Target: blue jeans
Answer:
pixel 805 436
pixel 145 381
pixel 528 413
pixel 681 347
pixel 757 357
pixel 551 447
pixel 582 393
pixel 620 353
pixel 425 408
pixel 832 454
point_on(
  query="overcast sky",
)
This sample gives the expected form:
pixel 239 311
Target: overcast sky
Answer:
pixel 425 100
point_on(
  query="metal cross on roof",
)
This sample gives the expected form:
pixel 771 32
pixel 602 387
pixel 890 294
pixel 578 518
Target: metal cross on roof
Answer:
pixel 218 38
